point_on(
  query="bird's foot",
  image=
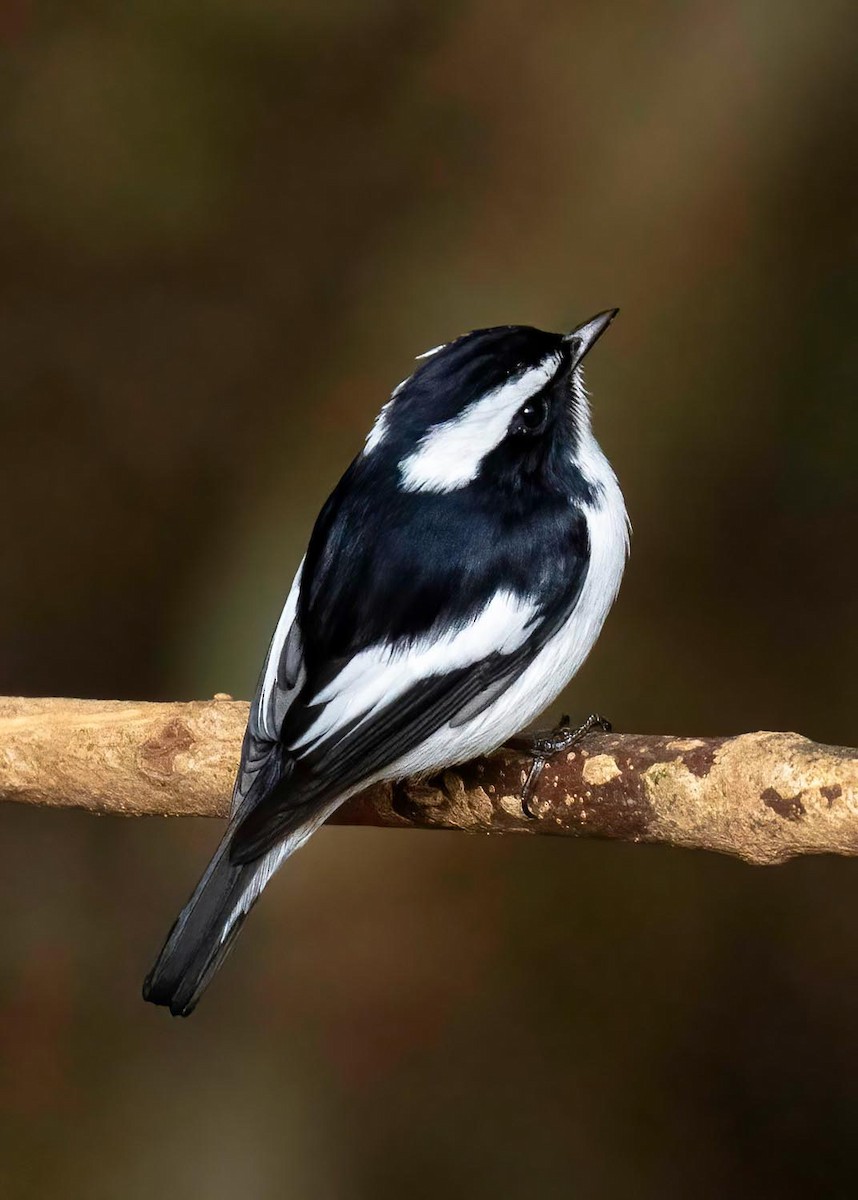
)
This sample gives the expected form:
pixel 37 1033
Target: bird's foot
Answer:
pixel 543 744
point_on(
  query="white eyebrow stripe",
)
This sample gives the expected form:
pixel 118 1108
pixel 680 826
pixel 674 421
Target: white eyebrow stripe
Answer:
pixel 378 432
pixel 380 674
pixel 449 455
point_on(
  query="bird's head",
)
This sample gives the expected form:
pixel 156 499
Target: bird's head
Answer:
pixel 504 406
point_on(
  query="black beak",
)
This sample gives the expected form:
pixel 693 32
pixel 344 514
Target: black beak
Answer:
pixel 584 338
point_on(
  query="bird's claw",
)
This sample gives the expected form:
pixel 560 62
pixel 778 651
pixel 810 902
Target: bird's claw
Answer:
pixel 543 744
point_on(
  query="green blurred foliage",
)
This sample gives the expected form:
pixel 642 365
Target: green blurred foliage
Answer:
pixel 225 231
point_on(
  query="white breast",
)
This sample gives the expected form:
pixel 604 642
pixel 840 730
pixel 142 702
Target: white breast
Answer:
pixel 563 655
pixel 381 676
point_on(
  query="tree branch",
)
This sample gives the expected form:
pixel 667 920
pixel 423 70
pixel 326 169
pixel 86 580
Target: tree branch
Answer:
pixel 761 796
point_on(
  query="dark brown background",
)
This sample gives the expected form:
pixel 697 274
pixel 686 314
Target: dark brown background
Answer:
pixel 225 231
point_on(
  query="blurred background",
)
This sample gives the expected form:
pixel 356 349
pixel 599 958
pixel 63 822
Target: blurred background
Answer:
pixel 225 231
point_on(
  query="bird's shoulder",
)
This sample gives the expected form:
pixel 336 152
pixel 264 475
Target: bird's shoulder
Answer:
pixel 384 565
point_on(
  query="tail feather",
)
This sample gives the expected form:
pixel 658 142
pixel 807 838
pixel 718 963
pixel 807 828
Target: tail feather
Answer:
pixel 202 934
pixel 205 930
pixel 207 926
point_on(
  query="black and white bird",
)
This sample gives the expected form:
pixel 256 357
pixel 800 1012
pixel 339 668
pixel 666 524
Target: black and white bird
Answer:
pixel 455 581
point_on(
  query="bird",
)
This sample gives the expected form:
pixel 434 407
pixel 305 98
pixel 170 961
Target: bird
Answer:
pixel 454 582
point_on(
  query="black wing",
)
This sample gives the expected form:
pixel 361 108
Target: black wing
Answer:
pixel 263 762
pixel 432 564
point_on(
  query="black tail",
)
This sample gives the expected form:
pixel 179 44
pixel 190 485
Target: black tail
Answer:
pixel 206 927
pixel 203 933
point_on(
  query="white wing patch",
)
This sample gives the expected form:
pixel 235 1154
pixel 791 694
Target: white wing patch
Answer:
pixel 449 455
pixel 379 675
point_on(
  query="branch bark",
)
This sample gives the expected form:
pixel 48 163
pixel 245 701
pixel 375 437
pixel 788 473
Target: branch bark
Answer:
pixel 763 797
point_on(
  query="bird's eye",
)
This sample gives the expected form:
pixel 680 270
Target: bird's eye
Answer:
pixel 533 414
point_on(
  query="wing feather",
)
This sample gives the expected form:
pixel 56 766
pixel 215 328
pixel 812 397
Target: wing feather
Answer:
pixel 356 751
pixel 263 762
pixel 400 630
